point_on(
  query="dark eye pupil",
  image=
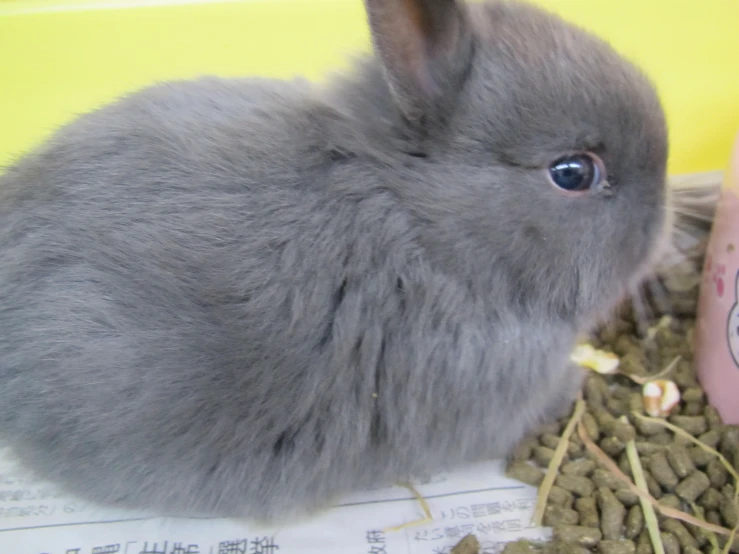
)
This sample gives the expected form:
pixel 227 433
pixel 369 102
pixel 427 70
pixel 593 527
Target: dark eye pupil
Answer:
pixel 576 172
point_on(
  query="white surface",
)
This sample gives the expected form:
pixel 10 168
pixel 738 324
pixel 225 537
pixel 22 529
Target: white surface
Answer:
pixel 36 519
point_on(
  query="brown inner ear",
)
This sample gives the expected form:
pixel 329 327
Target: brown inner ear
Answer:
pixel 413 27
pixel 424 47
pixel 419 29
pixel 416 15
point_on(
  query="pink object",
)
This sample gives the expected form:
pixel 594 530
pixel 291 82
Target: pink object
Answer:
pixel 717 327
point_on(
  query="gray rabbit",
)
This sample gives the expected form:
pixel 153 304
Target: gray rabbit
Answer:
pixel 250 297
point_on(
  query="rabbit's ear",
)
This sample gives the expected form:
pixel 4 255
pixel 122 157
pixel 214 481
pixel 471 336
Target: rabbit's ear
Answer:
pixel 425 47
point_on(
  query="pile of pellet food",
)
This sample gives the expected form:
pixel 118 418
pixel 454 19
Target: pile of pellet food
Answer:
pixel 643 463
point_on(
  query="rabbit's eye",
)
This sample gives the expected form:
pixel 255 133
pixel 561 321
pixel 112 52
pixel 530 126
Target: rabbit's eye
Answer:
pixel 577 172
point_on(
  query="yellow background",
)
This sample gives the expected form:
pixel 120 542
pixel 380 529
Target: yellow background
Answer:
pixel 62 57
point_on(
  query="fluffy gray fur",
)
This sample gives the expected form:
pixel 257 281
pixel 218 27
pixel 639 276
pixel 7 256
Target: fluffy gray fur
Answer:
pixel 249 297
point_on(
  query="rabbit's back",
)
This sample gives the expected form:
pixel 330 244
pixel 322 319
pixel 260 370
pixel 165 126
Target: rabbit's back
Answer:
pixel 161 302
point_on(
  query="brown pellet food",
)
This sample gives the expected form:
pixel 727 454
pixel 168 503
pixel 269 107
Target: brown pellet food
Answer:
pixel 560 497
pixel 557 515
pixel 612 446
pixel 524 449
pixel 710 500
pixel 587 509
pixel 710 438
pixel 680 460
pixel 695 425
pixel 662 472
pixel 713 418
pixel 634 522
pixel 591 426
pixel 670 501
pixel 693 486
pixel 605 478
pixel 549 440
pixel 643 544
pixel 727 509
pixel 717 473
pixel 581 468
pixel 713 517
pixel 680 532
pixel 627 497
pixel 700 457
pixel 670 543
pixel 561 547
pixel 653 486
pixel 516 547
pixel 526 473
pixel 468 545
pixel 578 485
pixel 543 455
pixel 612 514
pixel 582 536
pixel 616 547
